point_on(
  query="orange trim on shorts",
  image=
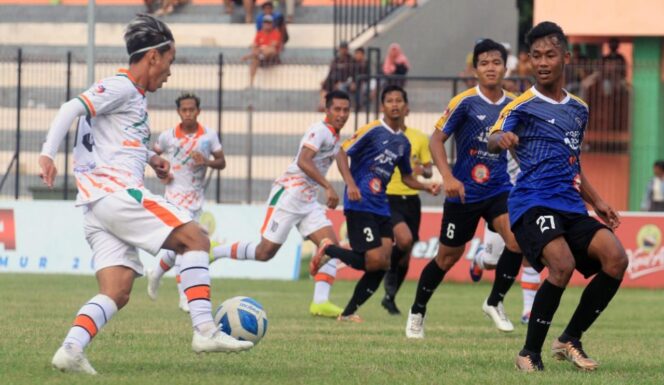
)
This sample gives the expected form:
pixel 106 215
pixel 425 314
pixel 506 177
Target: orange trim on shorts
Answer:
pixel 164 266
pixel 268 215
pixel 162 213
pixel 87 323
pixel 198 292
pixel 234 247
pixel 322 277
pixel 178 278
pixel 530 286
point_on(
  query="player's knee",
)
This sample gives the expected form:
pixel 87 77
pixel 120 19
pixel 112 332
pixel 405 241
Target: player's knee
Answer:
pixel 405 242
pixel 616 264
pixel 121 298
pixel 195 239
pixel 561 271
pixel 512 245
pixel 264 255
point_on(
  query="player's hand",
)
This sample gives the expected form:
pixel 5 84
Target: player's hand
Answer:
pixel 160 166
pixel 353 193
pixel 433 189
pixel 508 140
pixel 454 188
pixel 418 169
pixel 199 159
pixel 607 214
pixel 332 198
pixel 48 170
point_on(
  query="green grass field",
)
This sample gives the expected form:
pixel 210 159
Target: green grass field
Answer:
pixel 149 342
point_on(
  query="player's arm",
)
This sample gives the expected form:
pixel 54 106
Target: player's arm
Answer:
pixel 344 168
pixel 305 161
pixel 64 119
pixel 501 135
pixel 602 209
pixel 412 182
pixel 451 120
pixel 218 161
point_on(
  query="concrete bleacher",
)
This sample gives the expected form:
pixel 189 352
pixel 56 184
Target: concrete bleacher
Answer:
pixel 283 101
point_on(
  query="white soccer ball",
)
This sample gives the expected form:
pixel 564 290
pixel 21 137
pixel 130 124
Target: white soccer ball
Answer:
pixel 243 318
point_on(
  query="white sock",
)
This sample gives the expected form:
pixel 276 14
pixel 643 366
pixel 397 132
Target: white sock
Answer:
pixel 89 320
pixel 178 278
pixel 237 250
pixel 530 281
pixel 479 258
pixel 324 280
pixel 166 261
pixel 195 279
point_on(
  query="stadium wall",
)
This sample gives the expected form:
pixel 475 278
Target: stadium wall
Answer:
pixel 47 237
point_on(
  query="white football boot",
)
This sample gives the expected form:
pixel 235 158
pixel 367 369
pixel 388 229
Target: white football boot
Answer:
pixel 498 316
pixel 153 284
pixel 68 359
pixel 415 325
pixel 218 342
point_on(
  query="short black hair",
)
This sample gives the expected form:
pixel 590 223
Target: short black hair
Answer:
pixel 188 95
pixel 393 88
pixel 487 45
pixel 544 29
pixel 336 94
pixel 360 49
pixel 146 31
pixel 659 164
pixel 267 4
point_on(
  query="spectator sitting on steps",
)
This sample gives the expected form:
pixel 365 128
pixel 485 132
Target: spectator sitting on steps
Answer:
pixel 265 49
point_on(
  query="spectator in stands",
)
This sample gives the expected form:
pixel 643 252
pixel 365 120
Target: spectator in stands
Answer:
pixel 512 61
pixel 654 197
pixel 614 63
pixel 248 8
pixel 267 8
pixel 469 71
pixel 339 74
pixel 396 63
pixel 168 6
pixel 266 47
pixel 577 70
pixel 151 5
pixel 290 9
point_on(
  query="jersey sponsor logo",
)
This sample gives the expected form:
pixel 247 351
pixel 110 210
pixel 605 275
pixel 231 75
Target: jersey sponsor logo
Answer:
pixel 480 173
pixel 573 139
pixel 375 185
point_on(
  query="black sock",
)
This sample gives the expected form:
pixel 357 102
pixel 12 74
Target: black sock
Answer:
pixel 506 272
pixel 431 277
pixel 392 280
pixel 594 300
pixel 349 257
pixel 545 305
pixel 364 289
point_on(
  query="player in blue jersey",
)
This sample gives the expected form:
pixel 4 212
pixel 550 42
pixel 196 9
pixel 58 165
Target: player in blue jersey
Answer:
pixel 375 150
pixel 476 188
pixel 544 127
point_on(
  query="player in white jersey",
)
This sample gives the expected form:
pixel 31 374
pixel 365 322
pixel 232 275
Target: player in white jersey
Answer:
pixel 191 149
pixel 485 256
pixel 120 214
pixel 292 202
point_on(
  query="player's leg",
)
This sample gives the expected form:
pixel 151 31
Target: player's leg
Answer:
pixel 458 227
pixel 166 262
pixel 319 229
pixel 183 302
pixel 487 254
pixel 378 261
pixel 117 264
pixel 606 254
pixel 530 282
pixel 540 234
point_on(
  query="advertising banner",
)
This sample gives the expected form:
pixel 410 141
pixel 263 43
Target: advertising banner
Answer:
pixel 640 234
pixel 47 237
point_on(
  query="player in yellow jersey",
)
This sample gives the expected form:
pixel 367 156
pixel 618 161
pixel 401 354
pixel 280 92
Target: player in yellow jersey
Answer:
pixel 406 210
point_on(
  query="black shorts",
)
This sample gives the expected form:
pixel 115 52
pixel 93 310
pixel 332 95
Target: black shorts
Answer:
pixel 366 229
pixel 407 209
pixel 540 225
pixel 460 220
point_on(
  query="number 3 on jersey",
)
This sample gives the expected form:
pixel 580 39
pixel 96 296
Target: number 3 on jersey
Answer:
pixel 546 222
pixel 368 234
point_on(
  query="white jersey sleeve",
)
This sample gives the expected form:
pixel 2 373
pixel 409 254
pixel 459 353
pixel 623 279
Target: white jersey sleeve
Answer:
pixel 215 144
pixel 316 138
pixel 105 96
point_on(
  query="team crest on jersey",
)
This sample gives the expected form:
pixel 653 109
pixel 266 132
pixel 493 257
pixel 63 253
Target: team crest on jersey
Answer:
pixel 375 185
pixel 480 173
pixel 100 88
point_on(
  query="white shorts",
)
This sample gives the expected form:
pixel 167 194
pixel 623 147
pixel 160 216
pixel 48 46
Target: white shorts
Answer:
pixel 279 221
pixel 117 225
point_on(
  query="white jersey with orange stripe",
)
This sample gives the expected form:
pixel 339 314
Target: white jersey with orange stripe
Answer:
pixel 186 190
pixel 119 130
pixel 324 140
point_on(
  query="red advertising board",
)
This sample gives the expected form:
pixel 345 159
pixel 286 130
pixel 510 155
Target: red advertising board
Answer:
pixel 640 234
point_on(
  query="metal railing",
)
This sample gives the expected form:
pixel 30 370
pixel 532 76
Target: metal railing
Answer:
pixel 352 18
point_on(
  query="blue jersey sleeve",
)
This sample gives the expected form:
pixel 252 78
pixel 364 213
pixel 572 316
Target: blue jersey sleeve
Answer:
pixel 358 141
pixel 454 116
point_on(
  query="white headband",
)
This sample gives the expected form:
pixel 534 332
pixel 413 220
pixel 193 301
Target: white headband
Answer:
pixel 151 47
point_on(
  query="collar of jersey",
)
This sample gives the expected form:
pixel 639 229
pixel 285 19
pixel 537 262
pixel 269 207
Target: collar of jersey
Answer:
pixel 331 128
pixel 390 129
pixel 481 95
pixel 548 99
pixel 125 72
pixel 180 134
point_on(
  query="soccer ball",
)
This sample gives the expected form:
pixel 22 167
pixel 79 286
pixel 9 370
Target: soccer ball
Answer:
pixel 242 318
